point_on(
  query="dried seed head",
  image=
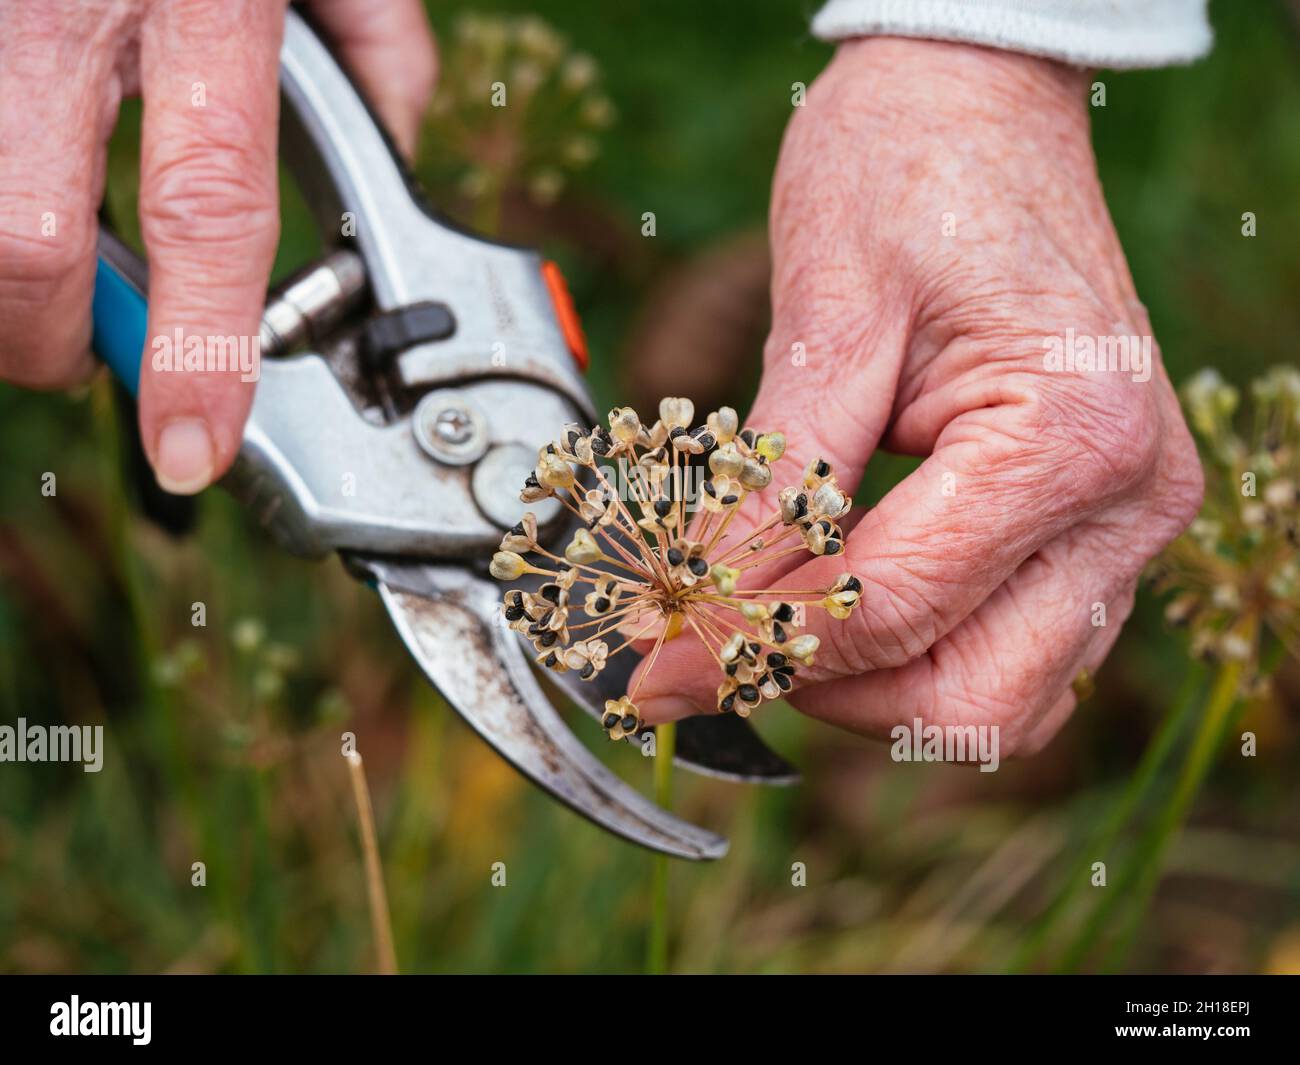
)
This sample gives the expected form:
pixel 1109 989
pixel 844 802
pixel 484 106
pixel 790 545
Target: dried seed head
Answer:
pixel 683 572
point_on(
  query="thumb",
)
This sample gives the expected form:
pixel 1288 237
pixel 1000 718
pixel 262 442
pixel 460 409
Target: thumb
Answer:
pixel 831 366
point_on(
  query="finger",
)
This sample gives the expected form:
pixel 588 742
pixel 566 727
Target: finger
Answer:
pixel 57 110
pixel 388 46
pixel 210 218
pixel 1046 728
pixel 1007 665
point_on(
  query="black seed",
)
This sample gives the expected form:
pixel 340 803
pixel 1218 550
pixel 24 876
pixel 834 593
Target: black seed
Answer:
pixel 535 629
pixel 550 592
pixel 573 437
pixel 731 668
pixel 663 506
pixel 704 437
pixel 518 529
pixel 823 468
pixel 709 489
pixel 825 526
pixel 531 481
pixel 782 681
pixel 853 585
pixel 588 671
pixel 748 693
pixel 550 660
pixel 698 566
pixel 776 659
pixel 753 648
pixel 600 445
pixel 728 500
pixel 778 632
pixel 550 449
pixel 727 703
pixel 563 566
pixel 677 431
pixel 833 547
pixel 784 612
pixel 628 722
pixel 675 556
pixel 514 613
pixel 547 638
pixel 601 604
pixel 609 720
pixel 748 436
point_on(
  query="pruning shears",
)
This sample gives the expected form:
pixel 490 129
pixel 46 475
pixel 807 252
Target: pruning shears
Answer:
pixel 408 380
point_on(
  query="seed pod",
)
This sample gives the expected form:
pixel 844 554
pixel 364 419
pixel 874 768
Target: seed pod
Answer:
pixel 815 474
pixel 755 475
pixel 624 424
pixel 554 472
pixel 754 611
pixel 523 537
pixel 724 578
pixel 726 461
pixel 724 422
pixel 582 549
pixel 802 648
pixel 676 411
pixel 829 501
pixel 771 446
pixel 507 566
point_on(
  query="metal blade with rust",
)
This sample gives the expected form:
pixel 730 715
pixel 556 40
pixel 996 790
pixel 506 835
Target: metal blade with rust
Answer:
pixel 449 619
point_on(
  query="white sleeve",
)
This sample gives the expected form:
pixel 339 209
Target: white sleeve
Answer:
pixel 1108 33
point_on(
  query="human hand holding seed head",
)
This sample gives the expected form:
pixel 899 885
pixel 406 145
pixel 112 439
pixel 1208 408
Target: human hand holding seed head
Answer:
pixel 936 222
pixel 208 72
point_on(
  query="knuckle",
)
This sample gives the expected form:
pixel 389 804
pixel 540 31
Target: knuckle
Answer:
pixel 211 195
pixel 39 265
pixel 1108 431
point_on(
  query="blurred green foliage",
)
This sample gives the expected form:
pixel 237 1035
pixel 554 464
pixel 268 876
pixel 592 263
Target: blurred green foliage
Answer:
pixel 224 748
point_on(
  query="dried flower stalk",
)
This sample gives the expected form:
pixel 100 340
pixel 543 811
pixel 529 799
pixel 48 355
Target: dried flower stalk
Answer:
pixel 1235 573
pixel 657 575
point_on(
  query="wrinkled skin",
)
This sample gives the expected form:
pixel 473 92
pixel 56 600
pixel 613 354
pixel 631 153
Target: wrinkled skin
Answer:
pixel 978 605
pixel 209 206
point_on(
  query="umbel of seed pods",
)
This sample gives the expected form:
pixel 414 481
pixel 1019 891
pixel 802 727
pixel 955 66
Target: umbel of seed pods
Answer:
pixel 636 570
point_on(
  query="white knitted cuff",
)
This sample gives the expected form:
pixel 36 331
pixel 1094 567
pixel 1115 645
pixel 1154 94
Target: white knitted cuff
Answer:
pixel 1105 33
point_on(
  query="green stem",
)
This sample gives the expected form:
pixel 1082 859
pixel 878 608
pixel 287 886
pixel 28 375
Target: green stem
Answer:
pixel 1140 878
pixel 657 948
pixel 1219 716
pixel 1102 841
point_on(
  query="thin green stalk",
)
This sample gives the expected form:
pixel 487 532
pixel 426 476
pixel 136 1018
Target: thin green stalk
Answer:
pixel 1140 878
pixel 1219 716
pixel 657 950
pixel 1103 840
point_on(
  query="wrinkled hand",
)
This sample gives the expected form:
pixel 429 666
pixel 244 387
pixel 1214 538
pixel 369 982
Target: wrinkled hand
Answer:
pixel 208 197
pixel 936 216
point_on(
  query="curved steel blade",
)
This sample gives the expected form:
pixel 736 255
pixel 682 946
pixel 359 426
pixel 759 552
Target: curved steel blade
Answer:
pixel 449 619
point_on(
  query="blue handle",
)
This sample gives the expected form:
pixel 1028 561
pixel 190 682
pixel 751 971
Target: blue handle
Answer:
pixel 120 314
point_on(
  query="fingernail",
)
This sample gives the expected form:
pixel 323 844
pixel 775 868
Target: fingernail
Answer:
pixel 185 456
pixel 666 708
